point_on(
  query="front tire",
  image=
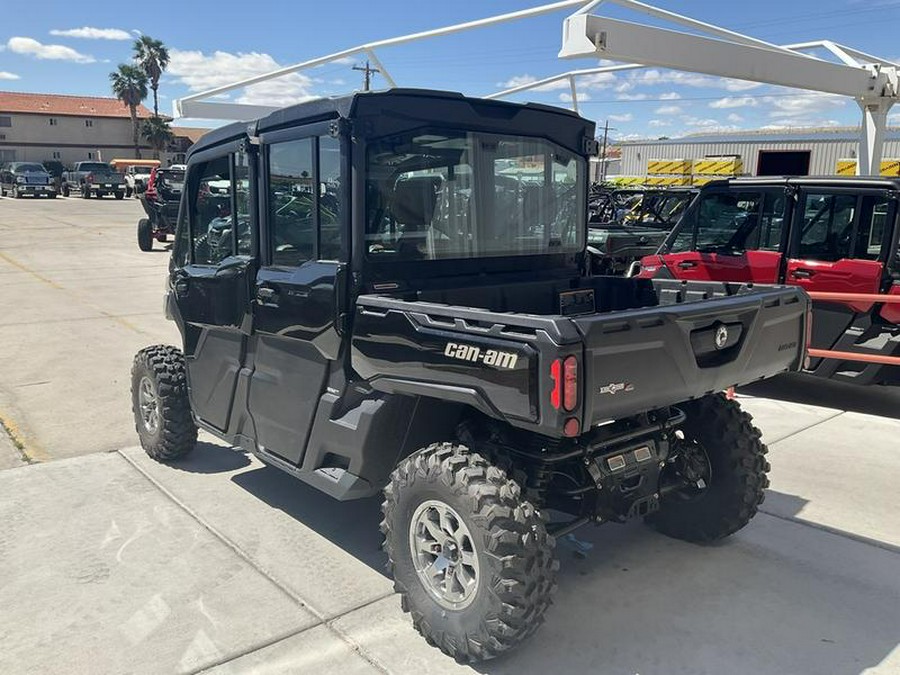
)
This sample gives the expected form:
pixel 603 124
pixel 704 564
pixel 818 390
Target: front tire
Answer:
pixel 719 449
pixel 471 559
pixel 159 398
pixel 145 235
pixel 120 195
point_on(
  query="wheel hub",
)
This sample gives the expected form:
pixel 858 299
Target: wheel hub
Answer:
pixel 148 403
pixel 443 554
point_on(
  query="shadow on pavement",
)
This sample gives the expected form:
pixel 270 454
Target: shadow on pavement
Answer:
pixel 212 458
pixel 796 388
pixel 353 526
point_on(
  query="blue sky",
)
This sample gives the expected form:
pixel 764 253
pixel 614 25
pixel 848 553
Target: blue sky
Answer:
pixel 53 50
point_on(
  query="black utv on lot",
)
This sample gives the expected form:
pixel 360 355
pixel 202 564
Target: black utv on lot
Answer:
pixel 397 299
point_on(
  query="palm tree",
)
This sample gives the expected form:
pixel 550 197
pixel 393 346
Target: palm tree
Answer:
pixel 157 133
pixel 152 57
pixel 129 84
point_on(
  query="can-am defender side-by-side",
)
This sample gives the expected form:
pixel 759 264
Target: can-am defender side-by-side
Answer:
pixel 396 297
pixel 160 198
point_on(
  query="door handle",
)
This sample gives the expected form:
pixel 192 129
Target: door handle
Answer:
pixel 266 295
pixel 802 274
pixel 687 264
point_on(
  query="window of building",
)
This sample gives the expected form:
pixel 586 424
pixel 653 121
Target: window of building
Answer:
pixel 292 200
pixel 7 155
pixel 90 155
pixel 57 155
pixel 5 121
pixel 2 137
pixel 89 123
pixel 52 121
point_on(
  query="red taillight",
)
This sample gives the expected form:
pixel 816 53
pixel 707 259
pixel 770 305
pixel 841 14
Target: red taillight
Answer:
pixel 556 376
pixel 571 428
pixel 564 374
pixel 570 383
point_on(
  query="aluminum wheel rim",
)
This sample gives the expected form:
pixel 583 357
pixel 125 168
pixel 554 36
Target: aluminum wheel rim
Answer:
pixel 443 553
pixel 148 402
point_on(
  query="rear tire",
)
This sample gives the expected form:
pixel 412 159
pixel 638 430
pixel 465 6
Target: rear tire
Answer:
pixel 731 449
pixel 159 398
pixel 471 559
pixel 145 235
pixel 120 195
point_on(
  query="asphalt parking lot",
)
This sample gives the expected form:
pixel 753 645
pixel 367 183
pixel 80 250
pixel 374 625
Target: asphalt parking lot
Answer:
pixel 110 562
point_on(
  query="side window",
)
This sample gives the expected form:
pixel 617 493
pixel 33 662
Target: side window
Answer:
pixel 291 202
pixel 330 198
pixel 211 222
pixel 241 187
pixel 728 222
pixel 684 236
pixel 827 226
pixel 772 225
pixel 873 227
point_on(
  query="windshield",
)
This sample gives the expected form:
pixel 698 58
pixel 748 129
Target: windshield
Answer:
pixel 29 168
pixel 142 170
pixel 659 209
pixel 172 179
pixel 453 194
pixel 96 167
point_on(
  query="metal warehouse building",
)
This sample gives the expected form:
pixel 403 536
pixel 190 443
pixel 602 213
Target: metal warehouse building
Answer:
pixel 764 153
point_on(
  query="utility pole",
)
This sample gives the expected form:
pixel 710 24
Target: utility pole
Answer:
pixel 606 130
pixel 369 71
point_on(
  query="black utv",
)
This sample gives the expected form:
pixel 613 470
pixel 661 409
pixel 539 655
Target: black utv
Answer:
pixel 397 298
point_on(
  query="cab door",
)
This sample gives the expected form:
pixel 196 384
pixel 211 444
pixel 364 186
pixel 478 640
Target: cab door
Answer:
pixel 211 280
pixel 838 244
pixel 735 236
pixel 296 342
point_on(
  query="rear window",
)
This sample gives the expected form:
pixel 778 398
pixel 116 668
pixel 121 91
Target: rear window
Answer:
pixel 99 167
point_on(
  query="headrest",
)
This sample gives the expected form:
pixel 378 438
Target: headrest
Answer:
pixel 415 200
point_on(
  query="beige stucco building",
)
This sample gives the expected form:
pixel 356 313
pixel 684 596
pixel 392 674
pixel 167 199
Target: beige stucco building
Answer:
pixel 69 129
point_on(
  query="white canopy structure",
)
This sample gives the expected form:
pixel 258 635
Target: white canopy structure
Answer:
pixel 871 81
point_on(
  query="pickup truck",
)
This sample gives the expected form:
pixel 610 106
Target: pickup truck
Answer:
pixel 18 179
pixel 834 235
pixel 413 313
pixel 93 179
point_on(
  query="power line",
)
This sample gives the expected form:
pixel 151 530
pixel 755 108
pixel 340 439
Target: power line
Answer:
pixel 369 71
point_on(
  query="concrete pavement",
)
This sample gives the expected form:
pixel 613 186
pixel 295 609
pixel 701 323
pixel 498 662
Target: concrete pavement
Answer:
pixel 216 563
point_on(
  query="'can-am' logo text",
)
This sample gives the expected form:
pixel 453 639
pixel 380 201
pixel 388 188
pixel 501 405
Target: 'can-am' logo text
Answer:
pixel 488 357
pixel 615 387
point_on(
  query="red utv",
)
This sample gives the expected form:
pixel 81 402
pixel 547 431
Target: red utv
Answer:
pixel 834 237
pixel 160 198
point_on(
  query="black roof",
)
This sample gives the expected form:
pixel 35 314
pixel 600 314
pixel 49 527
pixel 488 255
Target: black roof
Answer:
pixel 881 182
pixel 344 106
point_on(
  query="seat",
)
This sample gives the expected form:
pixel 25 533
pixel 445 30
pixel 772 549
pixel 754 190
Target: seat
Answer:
pixel 412 206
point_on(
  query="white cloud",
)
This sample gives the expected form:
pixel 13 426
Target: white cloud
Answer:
pixel 518 81
pixel 654 77
pixel 90 33
pixel 596 81
pixel 199 71
pixel 6 75
pixel 626 117
pixel 659 123
pixel 669 110
pixel 734 102
pixel 802 123
pixel 632 97
pixel 670 96
pixel 567 98
pixel 707 124
pixel 31 47
pixel 739 85
pixel 622 87
pixel 734 117
pixel 803 105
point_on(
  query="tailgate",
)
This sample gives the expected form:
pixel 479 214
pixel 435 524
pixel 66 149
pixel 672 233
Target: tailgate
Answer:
pixel 700 339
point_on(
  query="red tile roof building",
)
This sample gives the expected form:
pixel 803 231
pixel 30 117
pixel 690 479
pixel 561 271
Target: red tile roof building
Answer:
pixel 68 129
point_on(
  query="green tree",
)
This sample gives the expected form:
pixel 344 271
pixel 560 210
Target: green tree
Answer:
pixel 157 133
pixel 152 57
pixel 129 84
